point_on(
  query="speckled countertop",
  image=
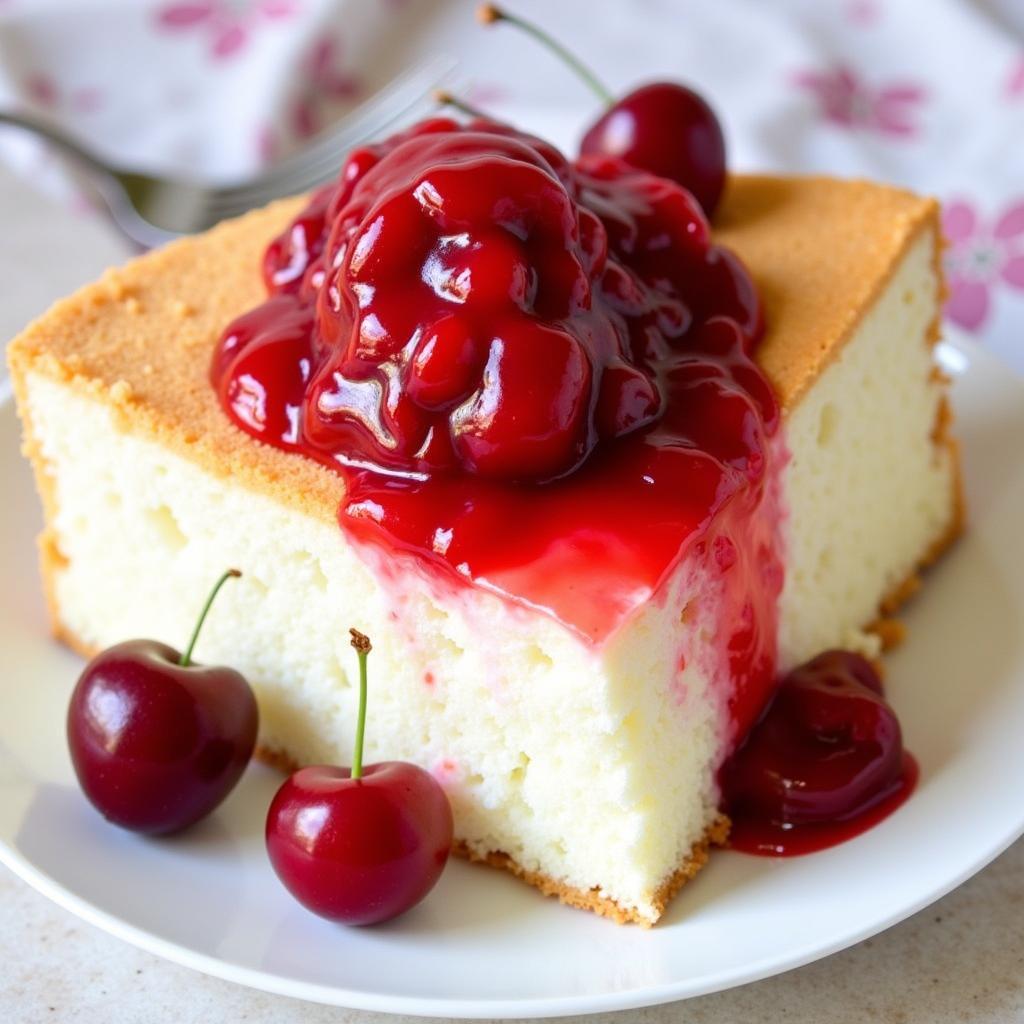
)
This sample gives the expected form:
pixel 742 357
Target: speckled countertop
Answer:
pixel 960 960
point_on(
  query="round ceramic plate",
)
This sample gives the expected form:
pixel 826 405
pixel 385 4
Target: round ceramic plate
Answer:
pixel 484 945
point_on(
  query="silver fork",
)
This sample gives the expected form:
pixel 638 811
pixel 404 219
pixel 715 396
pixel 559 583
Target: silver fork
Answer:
pixel 152 210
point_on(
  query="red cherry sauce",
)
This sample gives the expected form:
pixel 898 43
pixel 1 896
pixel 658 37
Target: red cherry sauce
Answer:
pixel 536 377
pixel 533 375
pixel 825 762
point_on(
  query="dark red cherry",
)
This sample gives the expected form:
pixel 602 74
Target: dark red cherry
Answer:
pixel 663 128
pixel 628 398
pixel 669 130
pixel 269 343
pixel 360 845
pixel 157 742
pixel 530 414
pixel 289 255
pixel 444 364
pixel 364 850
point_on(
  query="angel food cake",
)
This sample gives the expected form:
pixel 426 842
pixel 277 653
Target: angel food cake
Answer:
pixel 591 474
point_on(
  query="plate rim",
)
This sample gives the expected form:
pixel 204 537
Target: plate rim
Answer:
pixel 963 353
pixel 491 1009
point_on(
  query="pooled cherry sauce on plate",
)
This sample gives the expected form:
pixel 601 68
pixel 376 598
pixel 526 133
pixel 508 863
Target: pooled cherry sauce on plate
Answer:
pixel 824 763
pixel 534 375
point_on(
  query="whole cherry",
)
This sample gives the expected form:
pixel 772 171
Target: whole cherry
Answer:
pixel 669 130
pixel 157 741
pixel 664 127
pixel 363 844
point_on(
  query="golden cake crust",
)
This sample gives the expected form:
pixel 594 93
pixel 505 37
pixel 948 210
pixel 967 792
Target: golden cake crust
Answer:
pixel 821 251
pixel 592 899
pixel 140 339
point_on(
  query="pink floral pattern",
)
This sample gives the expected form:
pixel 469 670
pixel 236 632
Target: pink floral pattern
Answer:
pixel 326 83
pixel 266 143
pixel 863 12
pixel 982 257
pixel 1015 83
pixel 484 94
pixel 227 24
pixel 847 101
pixel 44 91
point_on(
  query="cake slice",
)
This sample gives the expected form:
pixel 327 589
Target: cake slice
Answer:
pixel 582 759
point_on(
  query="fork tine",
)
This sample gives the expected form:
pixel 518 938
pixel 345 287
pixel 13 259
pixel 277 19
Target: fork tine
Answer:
pixel 151 210
pixel 223 208
pixel 403 92
pixel 306 167
pixel 315 172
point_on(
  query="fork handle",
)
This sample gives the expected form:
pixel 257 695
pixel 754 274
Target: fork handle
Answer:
pixel 57 136
pixel 69 147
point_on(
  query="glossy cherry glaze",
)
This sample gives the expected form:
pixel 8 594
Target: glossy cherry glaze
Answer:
pixel 669 130
pixel 537 377
pixel 360 851
pixel 824 763
pixel 155 745
pixel 489 341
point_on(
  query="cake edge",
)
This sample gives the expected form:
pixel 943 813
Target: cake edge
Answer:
pixel 887 625
pixel 923 215
pixel 717 834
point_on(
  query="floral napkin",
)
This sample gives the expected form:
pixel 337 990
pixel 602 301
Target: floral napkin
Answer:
pixel 924 93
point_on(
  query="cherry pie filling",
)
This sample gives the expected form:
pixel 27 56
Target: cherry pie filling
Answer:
pixel 537 376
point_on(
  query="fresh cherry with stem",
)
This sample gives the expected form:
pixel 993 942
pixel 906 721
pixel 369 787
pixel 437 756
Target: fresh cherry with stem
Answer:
pixel 157 741
pixel 664 127
pixel 363 844
pixel 446 99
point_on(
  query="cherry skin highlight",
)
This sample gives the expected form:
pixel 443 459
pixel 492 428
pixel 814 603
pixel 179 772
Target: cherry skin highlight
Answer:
pixel 668 130
pixel 360 851
pixel 158 744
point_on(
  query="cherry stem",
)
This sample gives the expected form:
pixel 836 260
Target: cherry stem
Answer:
pixel 446 99
pixel 489 14
pixel 361 643
pixel 186 658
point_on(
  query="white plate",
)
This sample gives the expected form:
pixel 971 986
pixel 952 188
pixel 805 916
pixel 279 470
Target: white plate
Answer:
pixel 482 944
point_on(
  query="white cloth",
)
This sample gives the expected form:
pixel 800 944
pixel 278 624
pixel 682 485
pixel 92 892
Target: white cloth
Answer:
pixel 925 93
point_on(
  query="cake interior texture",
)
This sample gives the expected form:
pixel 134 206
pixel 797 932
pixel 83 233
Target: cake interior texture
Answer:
pixel 868 490
pixel 587 768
